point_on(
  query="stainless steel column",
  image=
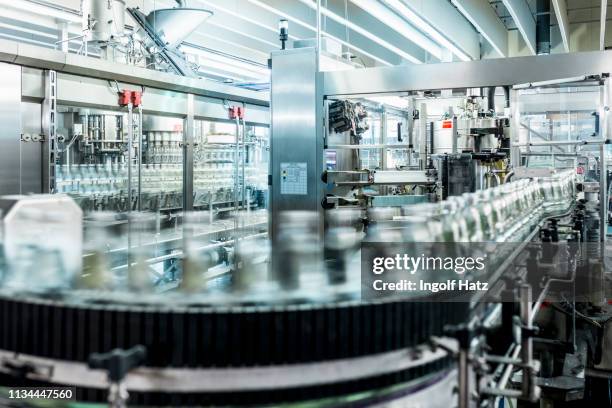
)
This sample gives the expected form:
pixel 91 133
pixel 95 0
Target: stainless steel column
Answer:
pixel 188 145
pixel 10 128
pixel 606 135
pixel 515 128
pixel 296 134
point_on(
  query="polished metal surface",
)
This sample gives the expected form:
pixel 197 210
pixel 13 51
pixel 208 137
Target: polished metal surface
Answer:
pixel 188 146
pixel 107 19
pixel 173 25
pixel 458 138
pixel 241 378
pixel 30 170
pixel 473 74
pixel 296 154
pixel 10 128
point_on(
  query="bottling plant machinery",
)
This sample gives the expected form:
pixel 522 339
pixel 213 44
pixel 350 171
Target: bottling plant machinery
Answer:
pixel 237 316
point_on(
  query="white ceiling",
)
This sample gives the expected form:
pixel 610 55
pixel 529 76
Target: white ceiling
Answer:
pixel 244 32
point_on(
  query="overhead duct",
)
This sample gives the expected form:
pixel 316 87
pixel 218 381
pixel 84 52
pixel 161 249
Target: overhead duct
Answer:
pixel 491 97
pixel 164 30
pixel 173 25
pixel 543 27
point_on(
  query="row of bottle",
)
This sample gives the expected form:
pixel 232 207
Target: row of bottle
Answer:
pixel 119 252
pixel 500 214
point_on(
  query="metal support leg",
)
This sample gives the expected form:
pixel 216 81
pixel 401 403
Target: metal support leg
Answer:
pixel 236 175
pixel 464 379
pixel 528 386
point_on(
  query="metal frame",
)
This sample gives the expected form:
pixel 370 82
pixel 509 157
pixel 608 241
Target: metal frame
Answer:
pixel 473 74
pixel 53 79
pixel 39 57
pixel 529 71
pixel 188 145
pixel 49 117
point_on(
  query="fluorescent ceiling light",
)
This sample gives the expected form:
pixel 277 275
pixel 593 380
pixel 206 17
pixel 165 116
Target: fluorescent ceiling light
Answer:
pixel 227 60
pixel 389 18
pixel 326 12
pixel 225 64
pixel 427 28
pixel 314 29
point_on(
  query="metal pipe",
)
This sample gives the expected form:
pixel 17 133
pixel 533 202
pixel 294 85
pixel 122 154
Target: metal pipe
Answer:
pixel 543 27
pixel 175 255
pixel 130 149
pixel 243 163
pixel 236 184
pixel 563 143
pixel 140 146
pixel 603 196
pixel 550 83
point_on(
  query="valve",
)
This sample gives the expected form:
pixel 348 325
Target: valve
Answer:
pixel 118 363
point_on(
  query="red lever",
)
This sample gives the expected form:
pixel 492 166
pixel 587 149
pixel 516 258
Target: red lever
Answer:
pixel 136 98
pixel 236 112
pixel 126 96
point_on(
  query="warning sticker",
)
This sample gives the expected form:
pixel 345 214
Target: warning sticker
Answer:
pixel 294 178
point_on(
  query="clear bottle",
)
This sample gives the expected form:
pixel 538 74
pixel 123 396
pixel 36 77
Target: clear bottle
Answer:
pixel 102 231
pixel 198 256
pixel 143 229
pixel 38 264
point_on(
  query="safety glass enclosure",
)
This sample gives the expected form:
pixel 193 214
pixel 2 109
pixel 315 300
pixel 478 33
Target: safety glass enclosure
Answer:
pixel 561 124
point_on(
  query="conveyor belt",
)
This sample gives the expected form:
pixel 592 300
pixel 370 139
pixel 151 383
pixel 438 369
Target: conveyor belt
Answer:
pixel 201 337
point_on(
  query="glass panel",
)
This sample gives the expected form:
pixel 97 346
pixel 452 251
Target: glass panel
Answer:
pixel 370 158
pixel 162 168
pixel 92 158
pixel 551 119
pixel 226 174
pixel 397 157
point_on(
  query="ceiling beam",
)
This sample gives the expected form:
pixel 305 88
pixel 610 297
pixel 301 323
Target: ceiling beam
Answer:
pixel 441 21
pixel 485 20
pixel 402 27
pixel 521 14
pixel 560 7
pixel 602 31
pixel 368 33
